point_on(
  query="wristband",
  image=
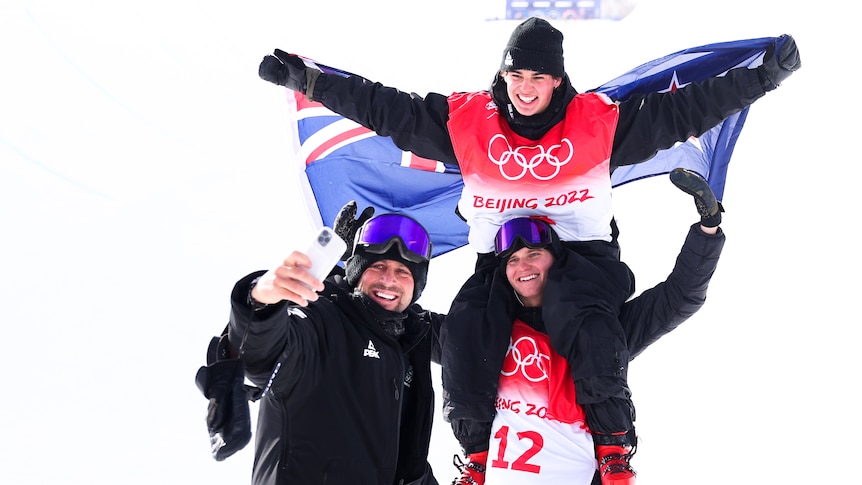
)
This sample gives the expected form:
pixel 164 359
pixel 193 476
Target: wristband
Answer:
pixel 254 304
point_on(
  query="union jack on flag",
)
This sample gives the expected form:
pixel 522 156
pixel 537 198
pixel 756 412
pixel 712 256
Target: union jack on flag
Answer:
pixel 344 161
pixel 341 161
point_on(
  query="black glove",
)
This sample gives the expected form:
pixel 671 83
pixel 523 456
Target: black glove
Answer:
pixel 778 67
pixel 228 417
pixel 285 70
pixel 346 224
pixel 708 206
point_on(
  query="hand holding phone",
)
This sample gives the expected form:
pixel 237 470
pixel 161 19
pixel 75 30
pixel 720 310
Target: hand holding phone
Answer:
pixel 324 252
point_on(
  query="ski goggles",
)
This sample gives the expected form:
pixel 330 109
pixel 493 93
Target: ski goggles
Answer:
pixel 531 232
pixel 380 233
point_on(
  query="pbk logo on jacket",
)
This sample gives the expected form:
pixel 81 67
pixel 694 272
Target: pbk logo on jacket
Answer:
pixel 371 351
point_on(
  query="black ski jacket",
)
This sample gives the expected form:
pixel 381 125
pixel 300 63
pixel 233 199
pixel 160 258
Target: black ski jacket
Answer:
pixel 348 404
pixel 647 123
pixel 662 308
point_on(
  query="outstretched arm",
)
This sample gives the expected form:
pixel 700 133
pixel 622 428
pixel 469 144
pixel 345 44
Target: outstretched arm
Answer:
pixel 258 328
pixel 280 336
pixel 414 123
pixel 657 121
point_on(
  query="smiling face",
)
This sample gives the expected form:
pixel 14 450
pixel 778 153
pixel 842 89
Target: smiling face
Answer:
pixel 389 283
pixel 530 91
pixel 527 272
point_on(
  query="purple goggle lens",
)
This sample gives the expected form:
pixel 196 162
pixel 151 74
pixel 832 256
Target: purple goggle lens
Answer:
pixel 379 233
pixel 532 232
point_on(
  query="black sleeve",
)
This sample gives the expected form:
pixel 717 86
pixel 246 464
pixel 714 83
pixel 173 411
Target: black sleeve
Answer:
pixel 657 121
pixel 259 346
pixel 273 335
pixel 657 311
pixel 435 321
pixel 414 123
pixel 436 324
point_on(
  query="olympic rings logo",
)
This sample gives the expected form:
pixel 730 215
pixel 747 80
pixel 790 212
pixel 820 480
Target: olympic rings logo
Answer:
pixel 524 356
pixel 520 159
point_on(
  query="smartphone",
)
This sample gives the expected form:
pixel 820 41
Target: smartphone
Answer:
pixel 325 251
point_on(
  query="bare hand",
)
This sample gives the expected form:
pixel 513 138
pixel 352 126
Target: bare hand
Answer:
pixel 289 281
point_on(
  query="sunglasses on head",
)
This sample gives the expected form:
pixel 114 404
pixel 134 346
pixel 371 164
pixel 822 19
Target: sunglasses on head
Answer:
pixel 531 233
pixel 379 233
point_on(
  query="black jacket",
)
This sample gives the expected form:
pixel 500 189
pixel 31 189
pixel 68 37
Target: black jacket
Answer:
pixel 662 308
pixel 647 123
pixel 349 404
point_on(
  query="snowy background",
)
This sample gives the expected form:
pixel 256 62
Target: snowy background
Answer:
pixel 144 168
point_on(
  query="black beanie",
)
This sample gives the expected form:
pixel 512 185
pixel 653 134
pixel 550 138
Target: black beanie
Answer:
pixel 535 45
pixel 361 260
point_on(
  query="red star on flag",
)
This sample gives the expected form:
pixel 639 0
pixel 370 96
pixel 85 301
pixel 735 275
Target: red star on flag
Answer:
pixel 674 84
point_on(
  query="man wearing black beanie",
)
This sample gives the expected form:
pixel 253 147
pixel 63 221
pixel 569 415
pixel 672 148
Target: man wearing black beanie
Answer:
pixel 531 145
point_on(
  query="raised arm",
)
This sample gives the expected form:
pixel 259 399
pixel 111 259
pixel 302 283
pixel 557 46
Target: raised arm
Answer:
pixel 657 121
pixel 261 329
pixel 662 308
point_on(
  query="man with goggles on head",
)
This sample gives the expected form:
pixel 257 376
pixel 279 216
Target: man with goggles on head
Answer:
pixel 569 365
pixel 348 361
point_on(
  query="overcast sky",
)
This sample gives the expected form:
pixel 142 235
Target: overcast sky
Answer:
pixel 144 168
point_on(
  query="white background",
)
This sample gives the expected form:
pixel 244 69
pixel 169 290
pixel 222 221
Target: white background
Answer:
pixel 144 168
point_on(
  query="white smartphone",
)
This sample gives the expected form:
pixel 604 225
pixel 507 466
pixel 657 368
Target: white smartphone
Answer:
pixel 325 251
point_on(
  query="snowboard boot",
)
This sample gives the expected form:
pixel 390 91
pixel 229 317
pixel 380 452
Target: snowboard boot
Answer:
pixel 614 468
pixel 708 206
pixel 472 472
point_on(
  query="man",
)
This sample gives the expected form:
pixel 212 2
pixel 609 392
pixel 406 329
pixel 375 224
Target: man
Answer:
pixel 533 137
pixel 539 433
pixel 350 399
